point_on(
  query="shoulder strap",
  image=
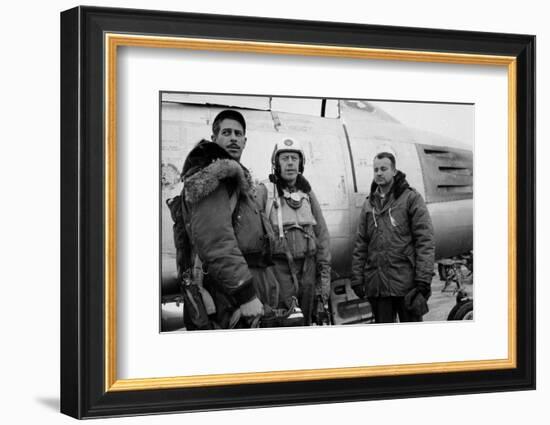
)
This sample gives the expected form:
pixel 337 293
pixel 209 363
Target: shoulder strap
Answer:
pixel 270 187
pixel 272 196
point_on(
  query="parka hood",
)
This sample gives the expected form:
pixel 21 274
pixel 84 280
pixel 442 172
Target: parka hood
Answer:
pixel 400 184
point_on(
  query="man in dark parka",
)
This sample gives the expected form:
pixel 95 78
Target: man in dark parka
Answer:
pixel 393 257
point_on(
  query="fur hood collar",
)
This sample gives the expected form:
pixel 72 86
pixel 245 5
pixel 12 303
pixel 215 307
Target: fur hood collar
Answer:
pixel 206 166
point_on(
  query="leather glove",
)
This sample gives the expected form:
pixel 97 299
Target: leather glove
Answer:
pixel 252 308
pixel 424 288
pixel 415 302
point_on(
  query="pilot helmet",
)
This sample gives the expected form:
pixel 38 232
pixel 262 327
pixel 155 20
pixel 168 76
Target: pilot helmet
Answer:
pixel 288 144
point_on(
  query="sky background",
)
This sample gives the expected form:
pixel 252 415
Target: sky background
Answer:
pixel 452 120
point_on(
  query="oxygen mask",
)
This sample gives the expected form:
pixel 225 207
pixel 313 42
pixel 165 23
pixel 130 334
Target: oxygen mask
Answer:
pixel 294 199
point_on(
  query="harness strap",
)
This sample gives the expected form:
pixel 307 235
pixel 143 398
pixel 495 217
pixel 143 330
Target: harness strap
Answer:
pixel 291 265
pixel 273 201
pixel 280 220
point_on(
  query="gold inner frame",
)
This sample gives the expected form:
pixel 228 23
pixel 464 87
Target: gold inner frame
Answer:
pixel 113 41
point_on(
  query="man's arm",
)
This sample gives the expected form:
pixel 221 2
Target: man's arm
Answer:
pixel 215 242
pixel 260 196
pixel 322 256
pixel 360 250
pixel 423 237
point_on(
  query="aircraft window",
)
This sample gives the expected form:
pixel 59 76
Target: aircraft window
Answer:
pixel 448 173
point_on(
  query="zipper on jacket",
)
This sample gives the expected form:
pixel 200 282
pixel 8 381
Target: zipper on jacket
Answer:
pixel 392 221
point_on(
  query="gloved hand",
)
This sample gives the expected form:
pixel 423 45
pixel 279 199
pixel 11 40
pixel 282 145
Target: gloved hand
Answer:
pixel 252 308
pixel 415 302
pixel 424 288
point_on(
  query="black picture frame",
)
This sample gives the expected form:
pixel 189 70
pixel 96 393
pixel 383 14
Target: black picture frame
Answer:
pixel 83 168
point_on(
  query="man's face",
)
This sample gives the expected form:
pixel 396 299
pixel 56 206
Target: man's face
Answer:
pixel 289 163
pixel 383 172
pixel 231 137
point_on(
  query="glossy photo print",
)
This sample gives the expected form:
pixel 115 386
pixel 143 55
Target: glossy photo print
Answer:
pixel 287 211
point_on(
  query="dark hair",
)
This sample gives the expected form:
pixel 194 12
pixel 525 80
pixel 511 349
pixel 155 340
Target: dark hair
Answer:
pixel 227 114
pixel 388 155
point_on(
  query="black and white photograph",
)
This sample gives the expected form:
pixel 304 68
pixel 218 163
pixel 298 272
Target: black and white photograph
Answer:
pixel 310 211
pixel 262 210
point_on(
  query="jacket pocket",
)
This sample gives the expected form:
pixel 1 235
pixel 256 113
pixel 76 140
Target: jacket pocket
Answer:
pixel 401 273
pixel 249 229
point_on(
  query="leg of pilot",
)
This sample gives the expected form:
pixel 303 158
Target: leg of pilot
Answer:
pixel 383 309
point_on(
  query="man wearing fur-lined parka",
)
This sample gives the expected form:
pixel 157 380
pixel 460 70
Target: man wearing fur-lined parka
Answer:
pixel 225 227
pixel 393 257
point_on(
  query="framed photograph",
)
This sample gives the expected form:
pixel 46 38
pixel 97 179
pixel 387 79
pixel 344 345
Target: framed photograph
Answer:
pixel 261 212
